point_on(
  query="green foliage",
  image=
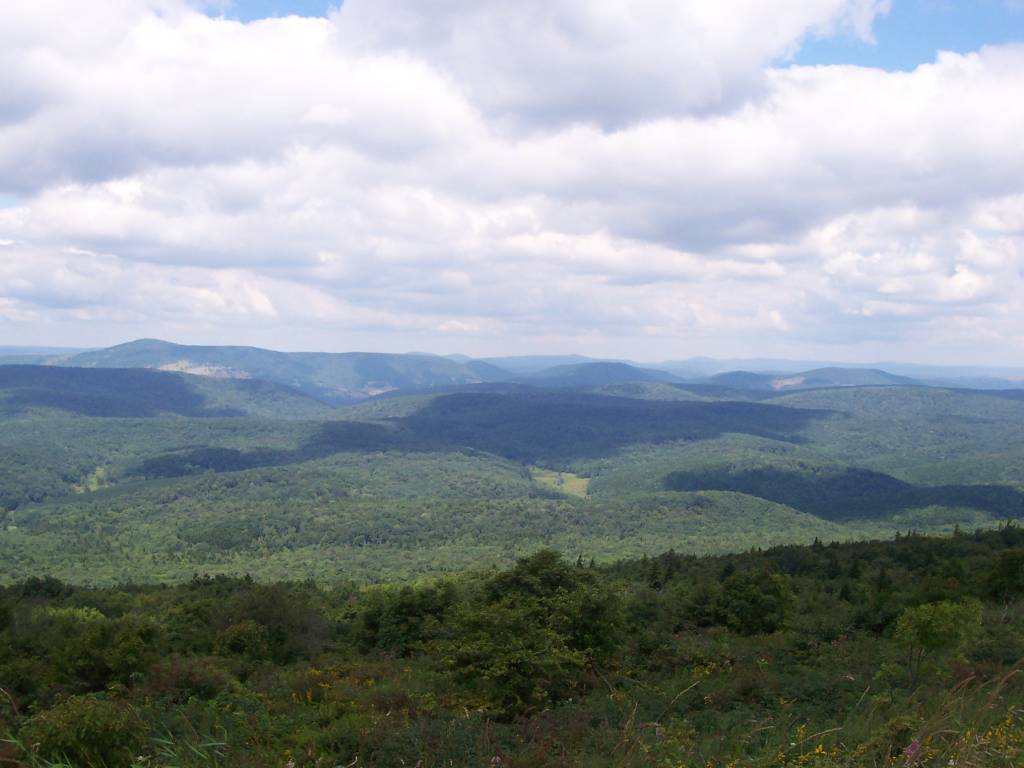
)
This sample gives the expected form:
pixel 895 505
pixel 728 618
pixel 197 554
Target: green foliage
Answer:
pixel 1007 577
pixel 140 393
pixel 827 654
pixel 847 493
pixel 755 603
pixel 528 643
pixel 509 658
pixel 88 649
pixel 248 639
pixel 399 620
pixel 91 731
pixel 787 656
pixel 406 488
pixel 553 427
pixel 927 631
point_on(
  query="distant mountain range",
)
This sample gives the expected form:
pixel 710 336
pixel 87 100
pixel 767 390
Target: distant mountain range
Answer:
pixel 596 375
pixel 350 377
pixel 813 379
pixel 36 351
pixel 335 378
pixel 526 365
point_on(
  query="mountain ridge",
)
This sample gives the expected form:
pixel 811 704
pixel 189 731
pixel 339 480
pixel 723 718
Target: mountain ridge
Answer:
pixel 346 378
pixel 337 378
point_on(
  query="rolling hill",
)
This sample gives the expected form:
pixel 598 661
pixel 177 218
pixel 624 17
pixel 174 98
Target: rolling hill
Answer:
pixel 336 378
pixel 34 355
pixel 525 365
pixel 596 374
pixel 205 474
pixel 345 378
pixel 131 393
pixel 817 378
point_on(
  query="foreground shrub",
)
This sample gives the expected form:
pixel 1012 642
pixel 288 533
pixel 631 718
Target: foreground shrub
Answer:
pixel 86 731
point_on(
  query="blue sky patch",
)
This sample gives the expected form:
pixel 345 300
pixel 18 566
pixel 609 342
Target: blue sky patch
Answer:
pixel 909 35
pixel 249 10
pixel 915 30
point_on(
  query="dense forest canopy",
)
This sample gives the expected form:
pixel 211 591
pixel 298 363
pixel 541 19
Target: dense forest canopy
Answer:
pixel 108 474
pixel 888 653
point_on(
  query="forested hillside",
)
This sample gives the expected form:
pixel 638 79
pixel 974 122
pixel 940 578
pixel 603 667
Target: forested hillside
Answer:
pixel 141 393
pixel 890 653
pixel 336 378
pixel 115 474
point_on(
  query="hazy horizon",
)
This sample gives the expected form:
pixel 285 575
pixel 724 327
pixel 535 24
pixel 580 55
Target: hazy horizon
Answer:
pixel 757 363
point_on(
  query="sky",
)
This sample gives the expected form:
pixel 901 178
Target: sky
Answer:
pixel 643 179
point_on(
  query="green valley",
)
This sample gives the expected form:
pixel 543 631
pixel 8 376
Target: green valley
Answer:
pixel 109 475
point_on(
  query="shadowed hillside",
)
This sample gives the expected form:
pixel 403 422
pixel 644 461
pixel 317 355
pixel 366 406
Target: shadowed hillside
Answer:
pixel 849 493
pixel 538 427
pixel 140 393
pixel 101 392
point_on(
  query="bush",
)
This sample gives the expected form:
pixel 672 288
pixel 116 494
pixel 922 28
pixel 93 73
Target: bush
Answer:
pixel 86 731
pixel 247 639
pixel 182 678
pixel 1006 581
pixel 512 663
pixel 929 631
pixel 755 603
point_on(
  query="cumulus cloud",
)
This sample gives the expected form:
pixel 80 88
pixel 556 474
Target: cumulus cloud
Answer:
pixel 612 62
pixel 646 178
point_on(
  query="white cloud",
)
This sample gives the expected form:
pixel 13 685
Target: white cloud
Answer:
pixel 611 62
pixel 621 178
